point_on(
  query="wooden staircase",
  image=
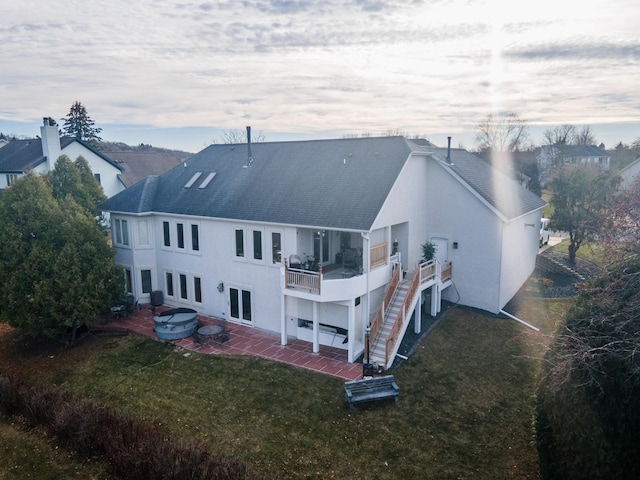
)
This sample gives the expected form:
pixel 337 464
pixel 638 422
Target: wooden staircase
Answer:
pixel 400 301
pixel 378 350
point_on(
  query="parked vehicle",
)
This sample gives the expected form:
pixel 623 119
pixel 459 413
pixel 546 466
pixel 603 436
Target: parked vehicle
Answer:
pixel 544 232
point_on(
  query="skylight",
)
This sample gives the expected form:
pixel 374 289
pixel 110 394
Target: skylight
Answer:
pixel 193 179
pixel 207 180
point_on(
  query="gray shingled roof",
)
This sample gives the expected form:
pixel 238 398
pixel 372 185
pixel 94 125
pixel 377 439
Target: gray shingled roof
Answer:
pixel 339 184
pixel 499 190
pixel 138 165
pixel 18 156
pixel 334 184
pixel 21 155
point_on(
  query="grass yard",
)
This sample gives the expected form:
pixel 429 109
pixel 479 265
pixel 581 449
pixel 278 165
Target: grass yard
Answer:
pixel 465 410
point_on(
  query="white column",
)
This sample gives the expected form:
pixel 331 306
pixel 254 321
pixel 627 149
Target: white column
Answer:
pixel 435 299
pixel 283 309
pixel 316 329
pixel 351 333
pixel 417 327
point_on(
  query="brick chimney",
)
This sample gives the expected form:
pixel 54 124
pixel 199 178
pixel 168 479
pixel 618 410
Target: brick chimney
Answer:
pixel 50 142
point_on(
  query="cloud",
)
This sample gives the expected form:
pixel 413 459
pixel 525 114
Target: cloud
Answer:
pixel 576 50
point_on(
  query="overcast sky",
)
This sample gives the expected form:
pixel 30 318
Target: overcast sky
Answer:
pixel 177 73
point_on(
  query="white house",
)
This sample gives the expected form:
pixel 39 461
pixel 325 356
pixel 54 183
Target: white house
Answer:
pixel 40 155
pixel 630 175
pixel 312 239
pixel 551 156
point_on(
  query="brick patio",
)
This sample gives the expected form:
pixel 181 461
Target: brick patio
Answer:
pixel 245 340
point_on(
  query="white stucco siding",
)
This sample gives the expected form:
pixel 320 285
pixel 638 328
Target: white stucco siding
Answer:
pixel 108 173
pixel 215 262
pixel 520 245
pixel 406 204
pixel 458 215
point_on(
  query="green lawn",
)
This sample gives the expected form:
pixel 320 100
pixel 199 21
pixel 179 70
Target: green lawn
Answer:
pixel 465 410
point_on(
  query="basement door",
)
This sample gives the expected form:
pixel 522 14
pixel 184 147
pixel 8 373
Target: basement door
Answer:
pixel 240 305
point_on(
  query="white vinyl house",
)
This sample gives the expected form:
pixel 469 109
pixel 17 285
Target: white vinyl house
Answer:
pixel 40 155
pixel 316 239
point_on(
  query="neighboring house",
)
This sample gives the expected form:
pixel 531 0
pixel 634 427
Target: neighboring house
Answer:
pixel 40 155
pixel 630 175
pixel 137 165
pixel 308 238
pixel 551 156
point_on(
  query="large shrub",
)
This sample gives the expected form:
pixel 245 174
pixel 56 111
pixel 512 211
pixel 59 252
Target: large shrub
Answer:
pixel 588 414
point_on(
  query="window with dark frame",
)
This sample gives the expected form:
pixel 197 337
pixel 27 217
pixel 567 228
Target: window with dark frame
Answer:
pixel 195 239
pixel 167 234
pixel 183 287
pixel 239 242
pixel 145 276
pixel 276 249
pixel 197 287
pixel 127 280
pixel 257 245
pixel 169 281
pixel 180 232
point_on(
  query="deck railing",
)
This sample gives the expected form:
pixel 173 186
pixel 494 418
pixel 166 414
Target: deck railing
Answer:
pixel 379 255
pixel 298 278
pixel 398 322
pixel 447 272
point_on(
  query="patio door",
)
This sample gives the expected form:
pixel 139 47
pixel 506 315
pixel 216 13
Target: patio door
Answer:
pixel 240 305
pixel 321 247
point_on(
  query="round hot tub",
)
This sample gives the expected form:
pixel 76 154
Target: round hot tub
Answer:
pixel 176 323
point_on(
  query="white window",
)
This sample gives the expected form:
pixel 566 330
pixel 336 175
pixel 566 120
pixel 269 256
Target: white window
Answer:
pixel 195 238
pixel 168 281
pixel 180 233
pixel 276 247
pixel 183 286
pixel 239 238
pixel 145 277
pixel 197 289
pixel 166 231
pixel 257 245
pixel 121 233
pixel 143 233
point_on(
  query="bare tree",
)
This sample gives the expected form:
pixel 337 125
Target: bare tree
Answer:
pixel 585 136
pixel 561 135
pixel 502 132
pixel 237 135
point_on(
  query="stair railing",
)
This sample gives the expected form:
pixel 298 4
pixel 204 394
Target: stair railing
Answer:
pixel 401 317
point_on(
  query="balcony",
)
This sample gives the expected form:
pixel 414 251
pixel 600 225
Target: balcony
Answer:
pixel 339 281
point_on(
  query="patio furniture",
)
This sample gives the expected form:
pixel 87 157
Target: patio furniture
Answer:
pixel 371 389
pixel 295 261
pixel 348 259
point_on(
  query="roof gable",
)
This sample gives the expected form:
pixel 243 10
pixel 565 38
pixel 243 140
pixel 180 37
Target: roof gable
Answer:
pixel 503 193
pixel 22 155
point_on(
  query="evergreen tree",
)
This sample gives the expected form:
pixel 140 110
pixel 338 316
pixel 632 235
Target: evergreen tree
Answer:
pixel 78 124
pixel 56 267
pixel 77 180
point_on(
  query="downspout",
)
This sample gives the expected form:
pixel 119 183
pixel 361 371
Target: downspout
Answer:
pixel 520 321
pixel 365 236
